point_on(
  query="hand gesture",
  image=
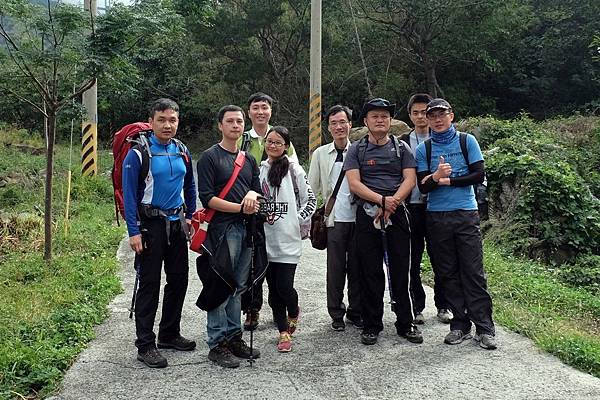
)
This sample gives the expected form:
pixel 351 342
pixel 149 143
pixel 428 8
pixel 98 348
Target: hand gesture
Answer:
pixel 443 170
pixel 250 203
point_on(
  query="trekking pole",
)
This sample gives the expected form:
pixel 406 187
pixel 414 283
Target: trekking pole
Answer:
pixel 386 260
pixel 252 224
pixel 136 266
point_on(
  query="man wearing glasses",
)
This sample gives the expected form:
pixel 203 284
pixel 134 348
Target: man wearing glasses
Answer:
pixel 417 205
pixel 325 171
pixel 448 176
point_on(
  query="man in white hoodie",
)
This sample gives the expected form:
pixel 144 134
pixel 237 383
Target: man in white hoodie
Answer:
pixel 326 169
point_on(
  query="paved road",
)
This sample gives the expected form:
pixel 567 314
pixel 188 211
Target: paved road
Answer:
pixel 323 364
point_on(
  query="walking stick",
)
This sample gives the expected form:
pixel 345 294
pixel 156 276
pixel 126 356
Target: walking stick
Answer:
pixel 136 266
pixel 252 225
pixel 386 260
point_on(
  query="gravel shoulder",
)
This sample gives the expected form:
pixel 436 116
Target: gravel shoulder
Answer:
pixel 323 364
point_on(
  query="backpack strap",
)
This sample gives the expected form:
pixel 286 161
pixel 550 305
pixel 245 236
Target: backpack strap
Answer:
pixel 406 137
pixel 428 153
pixel 295 183
pixel 362 149
pixel 245 141
pixel 399 145
pixel 462 138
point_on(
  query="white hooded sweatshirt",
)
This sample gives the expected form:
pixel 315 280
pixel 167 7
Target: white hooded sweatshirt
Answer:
pixel 285 212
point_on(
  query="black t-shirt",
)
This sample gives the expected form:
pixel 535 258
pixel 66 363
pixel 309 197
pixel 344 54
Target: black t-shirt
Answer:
pixel 215 167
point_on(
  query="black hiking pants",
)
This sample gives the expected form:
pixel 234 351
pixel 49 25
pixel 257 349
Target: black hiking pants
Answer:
pixel 456 242
pixel 174 253
pixel 283 298
pixel 369 252
pixel 419 241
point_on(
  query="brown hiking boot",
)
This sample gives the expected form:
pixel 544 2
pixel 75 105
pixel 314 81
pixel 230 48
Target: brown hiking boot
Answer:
pixel 251 321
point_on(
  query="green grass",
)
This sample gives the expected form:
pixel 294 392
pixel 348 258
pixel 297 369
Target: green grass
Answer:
pixel 48 311
pixel 529 299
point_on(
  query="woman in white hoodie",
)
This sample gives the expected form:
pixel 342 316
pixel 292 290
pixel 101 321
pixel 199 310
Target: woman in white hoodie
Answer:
pixel 290 203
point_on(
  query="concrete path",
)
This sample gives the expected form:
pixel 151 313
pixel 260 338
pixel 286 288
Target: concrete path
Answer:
pixel 323 364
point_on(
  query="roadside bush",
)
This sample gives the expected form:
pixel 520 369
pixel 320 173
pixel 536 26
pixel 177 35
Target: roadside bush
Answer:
pixel 584 272
pixel 540 204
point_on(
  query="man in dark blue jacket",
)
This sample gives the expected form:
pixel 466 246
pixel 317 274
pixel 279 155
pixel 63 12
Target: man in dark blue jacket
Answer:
pixel 158 208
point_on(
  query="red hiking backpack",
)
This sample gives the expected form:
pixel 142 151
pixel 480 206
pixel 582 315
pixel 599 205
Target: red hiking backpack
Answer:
pixel 135 135
pixel 127 137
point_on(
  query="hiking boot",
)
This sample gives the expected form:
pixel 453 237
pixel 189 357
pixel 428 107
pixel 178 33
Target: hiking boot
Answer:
pixel 240 349
pixel 223 356
pixel 285 343
pixel 368 338
pixel 357 322
pixel 251 321
pixel 293 323
pixel 457 336
pixel 419 319
pixel 413 334
pixel 338 325
pixel 179 343
pixel 152 358
pixel 486 341
pixel 444 315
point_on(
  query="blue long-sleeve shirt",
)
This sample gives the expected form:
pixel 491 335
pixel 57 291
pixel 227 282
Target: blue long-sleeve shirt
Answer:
pixel 170 182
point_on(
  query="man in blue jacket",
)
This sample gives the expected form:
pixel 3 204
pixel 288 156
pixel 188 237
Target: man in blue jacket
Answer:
pixel 447 170
pixel 158 208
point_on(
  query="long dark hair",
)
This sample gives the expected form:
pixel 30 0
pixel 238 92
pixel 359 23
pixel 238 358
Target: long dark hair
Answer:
pixel 281 165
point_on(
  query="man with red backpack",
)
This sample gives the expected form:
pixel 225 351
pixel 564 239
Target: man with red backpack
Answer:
pixel 158 206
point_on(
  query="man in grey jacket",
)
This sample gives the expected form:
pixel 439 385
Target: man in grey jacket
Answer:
pixel 325 171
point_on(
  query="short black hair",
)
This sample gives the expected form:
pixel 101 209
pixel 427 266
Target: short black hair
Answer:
pixel 418 98
pixel 337 109
pixel 163 104
pixel 260 96
pixel 228 108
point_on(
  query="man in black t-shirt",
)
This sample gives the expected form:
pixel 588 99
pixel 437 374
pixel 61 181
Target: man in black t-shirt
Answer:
pixel 226 244
pixel 381 173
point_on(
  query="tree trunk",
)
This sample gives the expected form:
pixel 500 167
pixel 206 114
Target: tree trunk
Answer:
pixel 51 129
pixel 430 77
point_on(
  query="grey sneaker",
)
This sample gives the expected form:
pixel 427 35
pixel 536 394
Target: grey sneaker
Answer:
pixel 444 315
pixel 223 356
pixel 338 325
pixel 419 319
pixel 457 336
pixel 152 358
pixel 486 341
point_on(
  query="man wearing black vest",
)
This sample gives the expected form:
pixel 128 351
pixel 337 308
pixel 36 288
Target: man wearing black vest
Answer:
pixel 381 174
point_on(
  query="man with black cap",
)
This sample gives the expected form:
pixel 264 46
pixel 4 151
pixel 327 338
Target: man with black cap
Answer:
pixel 448 166
pixel 381 174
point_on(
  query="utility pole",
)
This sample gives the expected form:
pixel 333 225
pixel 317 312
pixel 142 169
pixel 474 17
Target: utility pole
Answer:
pixel 89 126
pixel 314 107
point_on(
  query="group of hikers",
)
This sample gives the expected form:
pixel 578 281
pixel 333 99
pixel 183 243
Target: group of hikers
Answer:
pixel 389 198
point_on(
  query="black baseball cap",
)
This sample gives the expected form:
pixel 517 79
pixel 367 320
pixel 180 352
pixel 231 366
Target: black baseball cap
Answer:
pixel 438 103
pixel 378 104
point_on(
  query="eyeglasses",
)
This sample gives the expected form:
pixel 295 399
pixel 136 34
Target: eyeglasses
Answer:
pixel 272 143
pixel 340 123
pixel 437 115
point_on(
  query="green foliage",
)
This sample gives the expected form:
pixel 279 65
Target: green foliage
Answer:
pixel 584 272
pixel 541 205
pixel 48 311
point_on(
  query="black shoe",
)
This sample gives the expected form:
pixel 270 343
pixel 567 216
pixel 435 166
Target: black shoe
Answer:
pixel 179 343
pixel 368 338
pixel 251 322
pixel 152 358
pixel 338 325
pixel 240 349
pixel 413 334
pixel 357 322
pixel 223 356
pixel 419 319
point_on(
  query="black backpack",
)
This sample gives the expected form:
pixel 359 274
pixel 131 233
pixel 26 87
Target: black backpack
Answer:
pixel 480 189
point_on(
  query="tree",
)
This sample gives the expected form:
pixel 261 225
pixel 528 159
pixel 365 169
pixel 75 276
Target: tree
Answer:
pixel 43 44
